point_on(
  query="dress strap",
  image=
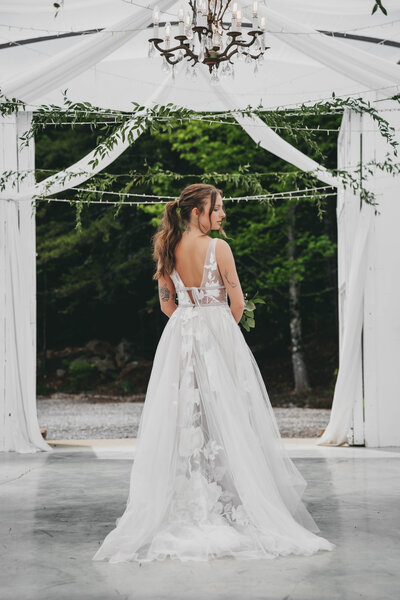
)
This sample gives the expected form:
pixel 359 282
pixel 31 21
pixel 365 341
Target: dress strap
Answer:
pixel 210 250
pixel 209 260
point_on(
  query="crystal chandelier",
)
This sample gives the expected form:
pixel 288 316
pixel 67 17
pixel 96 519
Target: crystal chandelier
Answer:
pixel 204 37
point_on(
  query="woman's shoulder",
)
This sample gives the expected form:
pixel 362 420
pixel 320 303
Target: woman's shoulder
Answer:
pixel 222 246
pixel 223 253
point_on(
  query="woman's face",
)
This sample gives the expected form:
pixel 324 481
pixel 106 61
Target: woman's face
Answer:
pixel 216 216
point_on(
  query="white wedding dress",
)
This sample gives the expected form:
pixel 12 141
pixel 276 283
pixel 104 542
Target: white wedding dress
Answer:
pixel 211 476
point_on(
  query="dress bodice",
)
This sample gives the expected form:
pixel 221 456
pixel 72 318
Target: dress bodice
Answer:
pixel 211 292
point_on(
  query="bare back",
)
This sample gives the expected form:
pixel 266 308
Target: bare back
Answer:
pixel 202 262
pixel 190 256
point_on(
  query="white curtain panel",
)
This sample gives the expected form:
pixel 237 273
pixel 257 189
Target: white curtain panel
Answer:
pixel 262 134
pixel 82 170
pixel 21 429
pixel 370 71
pixel 347 380
pixel 66 65
pixel 385 186
pixel 271 141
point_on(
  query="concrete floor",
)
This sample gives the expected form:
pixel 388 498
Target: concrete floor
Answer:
pixel 56 509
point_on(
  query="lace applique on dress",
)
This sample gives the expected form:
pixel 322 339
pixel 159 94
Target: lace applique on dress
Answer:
pixel 212 290
pixel 203 491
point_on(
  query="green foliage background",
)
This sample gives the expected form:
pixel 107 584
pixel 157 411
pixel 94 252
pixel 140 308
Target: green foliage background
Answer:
pixel 97 283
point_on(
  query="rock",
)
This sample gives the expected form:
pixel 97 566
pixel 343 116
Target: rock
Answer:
pixel 100 348
pixel 104 365
pixel 137 373
pixel 124 352
pixel 64 352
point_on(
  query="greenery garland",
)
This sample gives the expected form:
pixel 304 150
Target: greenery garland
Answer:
pixel 166 117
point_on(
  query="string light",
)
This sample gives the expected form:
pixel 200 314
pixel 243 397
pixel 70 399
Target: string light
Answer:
pixel 210 121
pixel 350 167
pixel 145 202
pixel 156 199
pixel 254 197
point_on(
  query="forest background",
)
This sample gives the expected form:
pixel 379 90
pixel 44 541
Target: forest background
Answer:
pixel 98 316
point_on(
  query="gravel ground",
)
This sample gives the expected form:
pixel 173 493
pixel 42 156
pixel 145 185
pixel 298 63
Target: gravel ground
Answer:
pixel 77 418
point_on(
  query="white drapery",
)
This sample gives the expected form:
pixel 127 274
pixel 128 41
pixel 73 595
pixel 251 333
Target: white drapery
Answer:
pixel 263 135
pixel 301 65
pixel 66 65
pixel 318 58
pixel 20 431
pixel 82 170
pixel 372 72
pixel 350 355
pixel 19 428
pixel 369 293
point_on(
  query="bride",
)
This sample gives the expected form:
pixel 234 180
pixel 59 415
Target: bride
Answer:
pixel 211 476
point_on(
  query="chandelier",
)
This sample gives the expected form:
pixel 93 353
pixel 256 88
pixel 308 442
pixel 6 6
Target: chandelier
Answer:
pixel 204 37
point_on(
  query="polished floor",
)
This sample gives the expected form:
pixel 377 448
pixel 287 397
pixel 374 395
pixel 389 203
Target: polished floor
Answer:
pixel 57 507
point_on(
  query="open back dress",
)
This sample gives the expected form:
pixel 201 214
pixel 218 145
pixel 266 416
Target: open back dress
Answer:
pixel 211 476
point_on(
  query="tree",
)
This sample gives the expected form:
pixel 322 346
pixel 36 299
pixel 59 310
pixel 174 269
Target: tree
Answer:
pixel 264 240
pixel 99 280
pixel 300 374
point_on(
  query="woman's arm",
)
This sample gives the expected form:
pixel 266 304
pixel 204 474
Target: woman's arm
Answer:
pixel 227 267
pixel 167 294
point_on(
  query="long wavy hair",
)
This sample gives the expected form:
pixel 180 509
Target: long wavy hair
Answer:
pixel 176 215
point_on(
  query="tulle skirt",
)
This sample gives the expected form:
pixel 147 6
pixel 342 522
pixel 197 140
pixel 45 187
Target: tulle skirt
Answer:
pixel 211 476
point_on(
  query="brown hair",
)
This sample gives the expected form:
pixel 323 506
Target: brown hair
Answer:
pixel 175 215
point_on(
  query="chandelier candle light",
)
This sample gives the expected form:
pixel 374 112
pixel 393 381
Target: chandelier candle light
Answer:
pixel 204 37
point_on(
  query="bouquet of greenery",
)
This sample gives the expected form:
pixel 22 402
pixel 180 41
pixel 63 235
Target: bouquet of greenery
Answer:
pixel 248 321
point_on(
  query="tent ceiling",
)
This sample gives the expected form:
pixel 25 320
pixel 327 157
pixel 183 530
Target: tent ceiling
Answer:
pixel 288 76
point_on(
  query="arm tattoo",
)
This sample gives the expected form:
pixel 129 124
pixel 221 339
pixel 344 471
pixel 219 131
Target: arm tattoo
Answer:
pixel 165 293
pixel 231 283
